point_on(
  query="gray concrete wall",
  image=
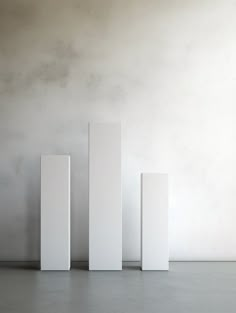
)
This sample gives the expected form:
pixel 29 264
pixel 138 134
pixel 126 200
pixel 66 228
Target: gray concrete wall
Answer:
pixel 166 69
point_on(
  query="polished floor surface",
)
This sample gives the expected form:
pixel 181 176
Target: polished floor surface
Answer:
pixel 197 287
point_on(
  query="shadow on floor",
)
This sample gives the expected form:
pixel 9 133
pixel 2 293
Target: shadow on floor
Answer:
pixel 77 265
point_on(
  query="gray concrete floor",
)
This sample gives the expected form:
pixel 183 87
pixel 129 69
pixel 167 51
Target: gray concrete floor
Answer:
pixel 188 287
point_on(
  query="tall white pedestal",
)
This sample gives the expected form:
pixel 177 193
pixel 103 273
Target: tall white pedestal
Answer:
pixel 55 212
pixel 105 205
pixel 154 198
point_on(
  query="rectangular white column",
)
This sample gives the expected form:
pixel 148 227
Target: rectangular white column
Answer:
pixel 55 212
pixel 105 205
pixel 154 198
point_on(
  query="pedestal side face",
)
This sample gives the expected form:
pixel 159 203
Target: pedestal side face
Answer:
pixel 105 203
pixel 154 203
pixel 55 212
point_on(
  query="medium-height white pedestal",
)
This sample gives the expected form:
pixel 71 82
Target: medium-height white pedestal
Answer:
pixel 55 212
pixel 154 198
pixel 105 206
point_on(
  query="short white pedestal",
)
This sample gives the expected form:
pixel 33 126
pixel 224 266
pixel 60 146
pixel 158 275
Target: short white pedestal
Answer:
pixel 55 212
pixel 154 198
pixel 105 205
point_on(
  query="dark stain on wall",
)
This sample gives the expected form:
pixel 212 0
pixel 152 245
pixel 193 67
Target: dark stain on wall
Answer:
pixel 64 50
pixel 62 57
pixel 93 81
pixel 51 72
pixel 18 165
pixel 15 15
pixel 18 19
pixel 10 81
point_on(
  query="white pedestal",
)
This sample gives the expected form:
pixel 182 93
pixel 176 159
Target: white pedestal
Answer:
pixel 55 212
pixel 105 205
pixel 154 198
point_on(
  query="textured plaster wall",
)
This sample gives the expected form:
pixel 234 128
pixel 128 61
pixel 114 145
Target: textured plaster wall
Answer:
pixel 166 69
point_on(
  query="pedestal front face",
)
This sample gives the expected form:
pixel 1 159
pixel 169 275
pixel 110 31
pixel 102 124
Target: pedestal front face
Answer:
pixel 155 250
pixel 105 205
pixel 55 212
